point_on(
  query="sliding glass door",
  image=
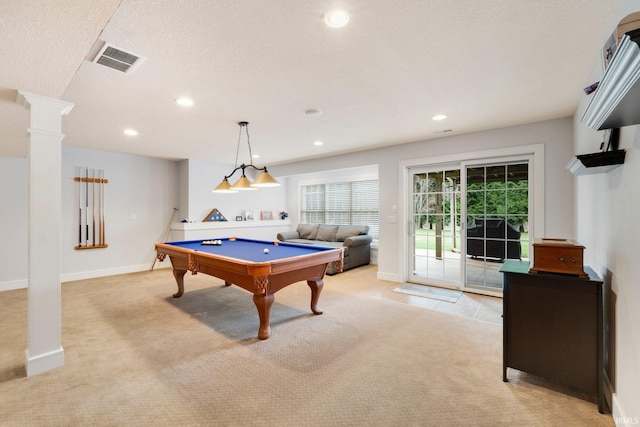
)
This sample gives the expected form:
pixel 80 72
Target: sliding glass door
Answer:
pixel 497 221
pixel 465 220
pixel 435 227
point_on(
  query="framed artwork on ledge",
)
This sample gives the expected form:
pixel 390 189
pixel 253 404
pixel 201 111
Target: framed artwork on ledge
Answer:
pixel 214 215
pixel 248 215
pixel 266 215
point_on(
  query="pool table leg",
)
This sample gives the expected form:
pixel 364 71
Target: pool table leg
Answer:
pixel 263 304
pixel 179 275
pixel 316 288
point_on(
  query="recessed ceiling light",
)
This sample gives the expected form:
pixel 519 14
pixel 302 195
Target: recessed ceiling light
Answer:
pixel 336 18
pixel 439 117
pixel 318 143
pixel 313 112
pixel 184 102
pixel 130 132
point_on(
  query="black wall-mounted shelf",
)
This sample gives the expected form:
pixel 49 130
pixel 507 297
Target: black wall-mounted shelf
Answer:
pixel 587 164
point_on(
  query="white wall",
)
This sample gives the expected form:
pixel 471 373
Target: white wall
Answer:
pixel 204 176
pixel 14 196
pixel 606 218
pixel 138 186
pixel 556 135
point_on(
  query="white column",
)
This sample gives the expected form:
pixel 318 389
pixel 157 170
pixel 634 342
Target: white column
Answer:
pixel 44 351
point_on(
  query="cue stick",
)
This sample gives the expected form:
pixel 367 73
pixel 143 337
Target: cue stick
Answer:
pixel 166 235
pixel 102 225
pixel 79 207
pixel 100 207
pixel 86 211
pixel 93 208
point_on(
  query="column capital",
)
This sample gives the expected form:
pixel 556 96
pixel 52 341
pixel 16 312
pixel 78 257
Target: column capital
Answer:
pixel 28 99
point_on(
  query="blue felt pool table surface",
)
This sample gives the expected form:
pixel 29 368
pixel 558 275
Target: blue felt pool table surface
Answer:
pixel 251 250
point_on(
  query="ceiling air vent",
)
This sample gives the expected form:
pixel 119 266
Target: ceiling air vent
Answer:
pixel 116 58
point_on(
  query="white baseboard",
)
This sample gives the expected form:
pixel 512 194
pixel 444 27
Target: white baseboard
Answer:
pixel 13 284
pixel 82 275
pixel 608 391
pixel 620 417
pixel 44 362
pixel 390 277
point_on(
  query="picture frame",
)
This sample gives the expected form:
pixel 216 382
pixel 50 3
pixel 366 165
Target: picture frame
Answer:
pixel 248 215
pixel 239 218
pixel 266 215
pixel 214 216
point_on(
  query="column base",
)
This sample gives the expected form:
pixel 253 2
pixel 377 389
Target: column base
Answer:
pixel 41 363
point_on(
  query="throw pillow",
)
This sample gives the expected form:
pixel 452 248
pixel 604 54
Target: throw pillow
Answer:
pixel 327 233
pixel 350 230
pixel 307 231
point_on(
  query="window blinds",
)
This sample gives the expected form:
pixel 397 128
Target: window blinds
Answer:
pixel 341 203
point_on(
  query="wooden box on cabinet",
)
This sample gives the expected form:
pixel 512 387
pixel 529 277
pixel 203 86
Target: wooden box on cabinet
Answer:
pixel 558 256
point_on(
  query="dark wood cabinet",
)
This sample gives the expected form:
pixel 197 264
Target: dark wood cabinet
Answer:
pixel 553 327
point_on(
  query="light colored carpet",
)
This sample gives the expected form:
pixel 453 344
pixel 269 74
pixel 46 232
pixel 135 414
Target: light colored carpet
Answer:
pixel 134 356
pixel 424 291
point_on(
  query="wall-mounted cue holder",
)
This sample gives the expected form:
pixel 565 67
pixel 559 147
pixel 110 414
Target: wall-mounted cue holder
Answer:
pixel 91 222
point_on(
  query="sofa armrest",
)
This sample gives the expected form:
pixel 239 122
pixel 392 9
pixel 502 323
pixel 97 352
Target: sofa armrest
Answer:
pixel 288 235
pixel 360 240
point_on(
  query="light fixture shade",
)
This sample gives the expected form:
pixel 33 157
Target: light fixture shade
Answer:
pixel 265 180
pixel 242 184
pixel 224 187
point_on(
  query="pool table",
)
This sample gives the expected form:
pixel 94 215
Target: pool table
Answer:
pixel 258 266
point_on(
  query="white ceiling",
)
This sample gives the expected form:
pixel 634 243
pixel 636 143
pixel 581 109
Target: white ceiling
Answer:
pixel 485 64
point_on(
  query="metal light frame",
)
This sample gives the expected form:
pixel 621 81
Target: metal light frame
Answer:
pixel 243 183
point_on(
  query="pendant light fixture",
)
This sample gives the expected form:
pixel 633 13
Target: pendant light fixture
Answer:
pixel 243 183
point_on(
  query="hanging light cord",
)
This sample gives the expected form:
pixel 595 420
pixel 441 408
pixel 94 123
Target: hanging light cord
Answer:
pixel 244 125
pixel 243 166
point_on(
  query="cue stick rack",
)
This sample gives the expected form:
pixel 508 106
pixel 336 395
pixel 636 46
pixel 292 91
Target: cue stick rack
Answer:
pixel 91 223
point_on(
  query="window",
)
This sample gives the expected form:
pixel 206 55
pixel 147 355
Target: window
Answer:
pixel 348 203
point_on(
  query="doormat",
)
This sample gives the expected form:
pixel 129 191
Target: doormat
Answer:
pixel 448 295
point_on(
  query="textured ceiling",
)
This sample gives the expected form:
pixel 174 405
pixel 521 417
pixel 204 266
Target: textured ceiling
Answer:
pixel 378 81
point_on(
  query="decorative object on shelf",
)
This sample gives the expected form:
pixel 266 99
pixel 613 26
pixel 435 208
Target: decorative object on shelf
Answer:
pixel 91 222
pixel 266 215
pixel 214 215
pixel 248 215
pixel 284 215
pixel 560 256
pixel 591 88
pixel 243 183
pixel 239 218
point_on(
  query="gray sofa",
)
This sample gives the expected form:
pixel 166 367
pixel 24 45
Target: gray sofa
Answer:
pixel 353 238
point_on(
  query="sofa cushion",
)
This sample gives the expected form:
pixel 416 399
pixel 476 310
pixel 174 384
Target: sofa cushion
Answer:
pixel 327 233
pixel 317 243
pixel 307 231
pixel 345 231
